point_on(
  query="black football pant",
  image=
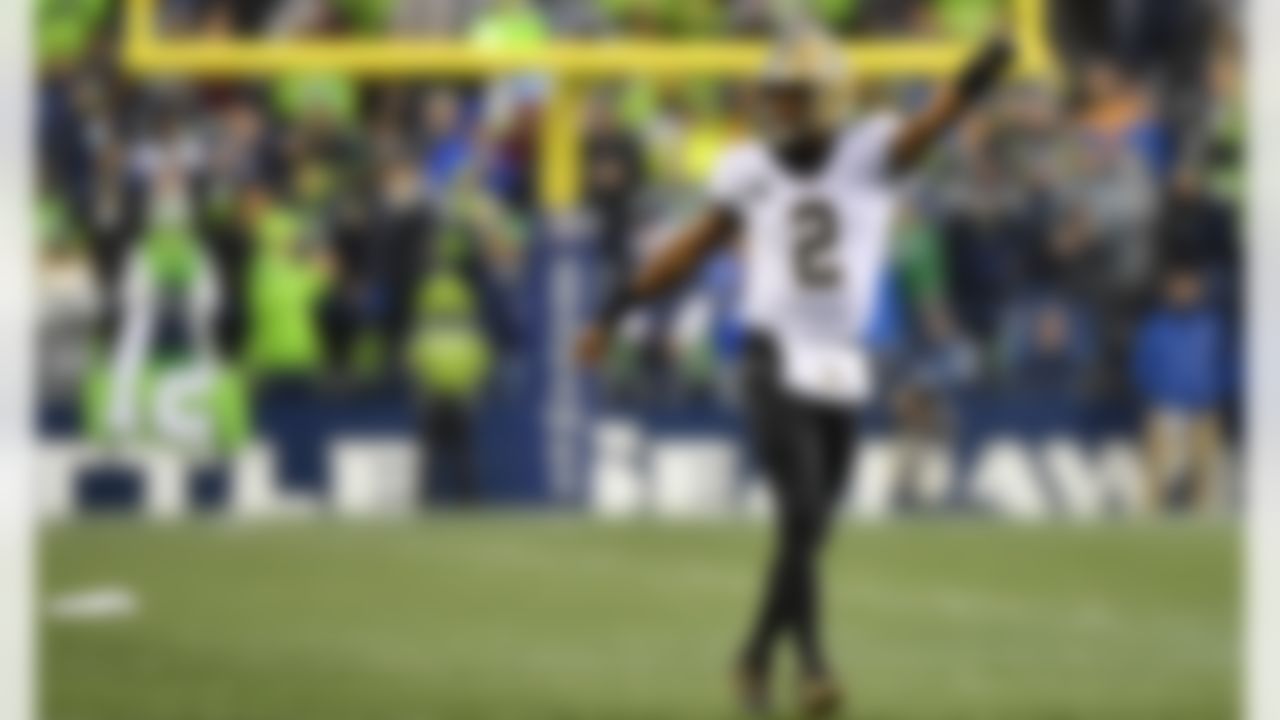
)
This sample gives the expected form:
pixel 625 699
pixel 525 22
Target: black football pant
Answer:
pixel 805 448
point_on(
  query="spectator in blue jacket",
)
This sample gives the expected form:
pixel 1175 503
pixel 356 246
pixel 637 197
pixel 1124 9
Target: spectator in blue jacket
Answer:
pixel 1181 367
pixel 1051 349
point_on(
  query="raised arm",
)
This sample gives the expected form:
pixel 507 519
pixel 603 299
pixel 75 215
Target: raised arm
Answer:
pixel 665 271
pixel 918 135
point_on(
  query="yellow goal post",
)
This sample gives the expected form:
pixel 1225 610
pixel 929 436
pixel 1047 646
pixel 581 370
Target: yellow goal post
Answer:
pixel 572 64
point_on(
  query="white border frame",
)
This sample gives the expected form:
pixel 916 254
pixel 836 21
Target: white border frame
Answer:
pixel 1262 627
pixel 17 300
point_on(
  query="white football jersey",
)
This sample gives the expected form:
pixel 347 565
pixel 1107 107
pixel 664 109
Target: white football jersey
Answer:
pixel 815 249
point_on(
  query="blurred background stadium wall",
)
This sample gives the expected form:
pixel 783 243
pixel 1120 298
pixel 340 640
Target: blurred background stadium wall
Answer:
pixel 275 282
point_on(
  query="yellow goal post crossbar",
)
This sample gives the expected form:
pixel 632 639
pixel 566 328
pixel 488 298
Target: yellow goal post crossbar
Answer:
pixel 571 63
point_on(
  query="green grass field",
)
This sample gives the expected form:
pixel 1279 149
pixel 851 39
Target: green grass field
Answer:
pixel 528 619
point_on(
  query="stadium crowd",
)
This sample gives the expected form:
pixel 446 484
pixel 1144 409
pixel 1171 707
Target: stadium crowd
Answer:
pixel 1074 249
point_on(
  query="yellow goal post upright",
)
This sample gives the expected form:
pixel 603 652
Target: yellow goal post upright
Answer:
pixel 572 65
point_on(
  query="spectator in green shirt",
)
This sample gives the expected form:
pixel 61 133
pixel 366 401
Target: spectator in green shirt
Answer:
pixel 285 285
pixel 510 25
pixel 451 361
pixel 65 28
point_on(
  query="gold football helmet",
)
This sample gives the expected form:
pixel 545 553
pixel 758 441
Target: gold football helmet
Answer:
pixel 803 89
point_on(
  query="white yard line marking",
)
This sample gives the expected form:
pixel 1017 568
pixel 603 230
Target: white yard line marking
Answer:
pixel 111 603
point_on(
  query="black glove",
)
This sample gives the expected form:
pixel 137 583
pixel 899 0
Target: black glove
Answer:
pixel 986 69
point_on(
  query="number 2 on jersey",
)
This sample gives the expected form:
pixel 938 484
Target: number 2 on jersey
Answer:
pixel 816 227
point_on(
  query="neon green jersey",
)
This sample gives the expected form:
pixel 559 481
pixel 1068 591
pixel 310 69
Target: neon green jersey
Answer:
pixel 516 27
